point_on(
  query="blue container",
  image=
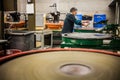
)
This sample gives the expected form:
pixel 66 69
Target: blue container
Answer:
pixel 98 18
pixel 79 16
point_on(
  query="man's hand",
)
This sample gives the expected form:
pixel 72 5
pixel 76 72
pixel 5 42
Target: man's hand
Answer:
pixel 85 23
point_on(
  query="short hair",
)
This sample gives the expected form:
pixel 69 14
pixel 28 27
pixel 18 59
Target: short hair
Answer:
pixel 73 9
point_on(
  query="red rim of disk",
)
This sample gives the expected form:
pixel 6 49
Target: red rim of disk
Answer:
pixel 12 56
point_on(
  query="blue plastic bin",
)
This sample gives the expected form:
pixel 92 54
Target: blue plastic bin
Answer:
pixel 98 18
pixel 79 16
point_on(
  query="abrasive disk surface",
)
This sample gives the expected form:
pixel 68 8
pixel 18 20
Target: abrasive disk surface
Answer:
pixel 49 65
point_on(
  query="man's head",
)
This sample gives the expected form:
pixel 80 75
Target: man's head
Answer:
pixel 73 10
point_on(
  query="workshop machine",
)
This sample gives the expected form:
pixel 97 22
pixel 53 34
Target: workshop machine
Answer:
pixel 55 13
pixel 106 38
pixel 18 39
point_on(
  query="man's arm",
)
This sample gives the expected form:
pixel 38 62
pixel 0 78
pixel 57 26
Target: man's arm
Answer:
pixel 73 19
pixel 78 22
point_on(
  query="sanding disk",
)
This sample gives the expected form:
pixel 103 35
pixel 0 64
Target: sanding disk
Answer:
pixel 62 65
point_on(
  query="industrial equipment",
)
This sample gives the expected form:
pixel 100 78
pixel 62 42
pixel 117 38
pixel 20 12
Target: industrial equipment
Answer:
pixel 94 38
pixel 22 40
pixel 55 13
pixel 15 20
pixel 57 38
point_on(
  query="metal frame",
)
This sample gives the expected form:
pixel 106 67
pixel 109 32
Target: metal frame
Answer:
pixel 42 35
pixel 117 13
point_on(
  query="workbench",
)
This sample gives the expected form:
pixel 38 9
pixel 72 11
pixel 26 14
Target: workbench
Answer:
pixel 44 39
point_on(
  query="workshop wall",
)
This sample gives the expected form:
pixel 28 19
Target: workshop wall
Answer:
pixel 84 7
pixel 22 5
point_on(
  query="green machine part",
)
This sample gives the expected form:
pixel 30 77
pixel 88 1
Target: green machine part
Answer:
pixel 85 38
pixel 85 30
pixel 115 44
pixel 83 43
pixel 90 41
pixel 98 44
pixel 70 45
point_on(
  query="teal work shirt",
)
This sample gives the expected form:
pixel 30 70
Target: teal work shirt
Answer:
pixel 69 22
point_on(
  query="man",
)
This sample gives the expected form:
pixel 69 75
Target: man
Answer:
pixel 70 20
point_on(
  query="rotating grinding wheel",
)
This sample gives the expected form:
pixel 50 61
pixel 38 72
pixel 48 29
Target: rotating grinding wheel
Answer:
pixel 61 64
pixel 88 35
pixel 85 39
